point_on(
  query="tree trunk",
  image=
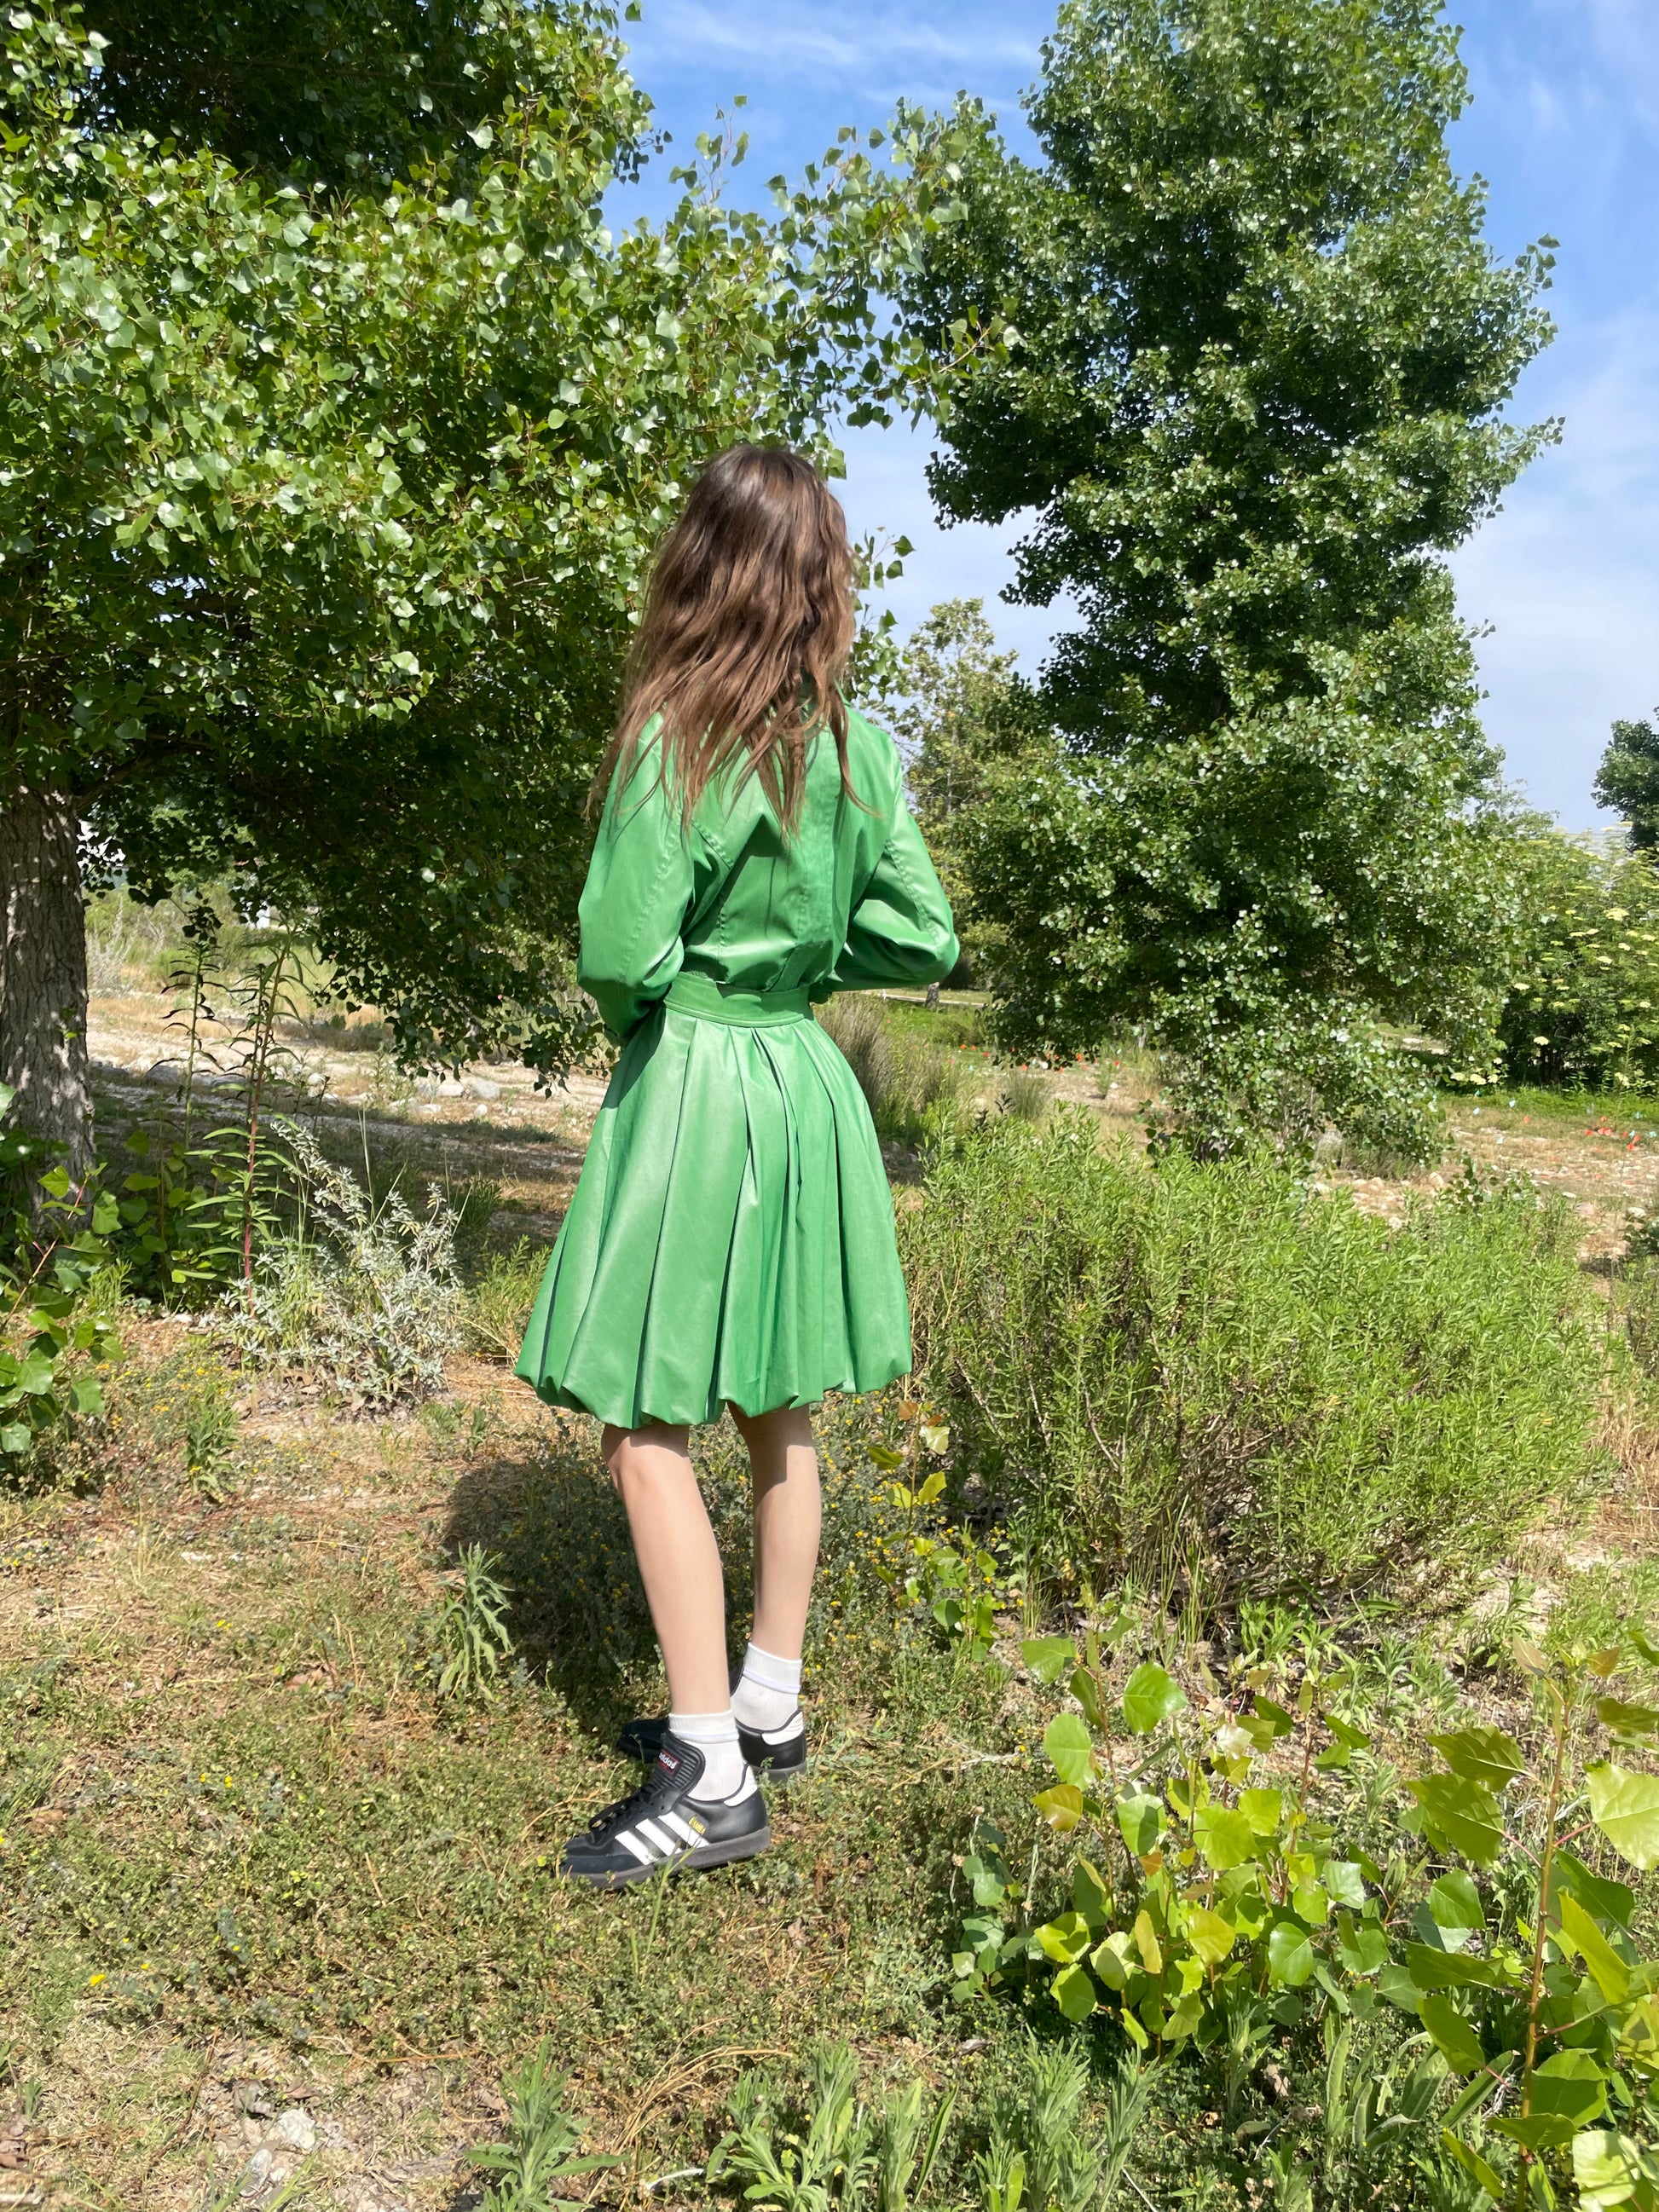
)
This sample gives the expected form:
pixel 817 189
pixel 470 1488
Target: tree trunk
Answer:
pixel 42 971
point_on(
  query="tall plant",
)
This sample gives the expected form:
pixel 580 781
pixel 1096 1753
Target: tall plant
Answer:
pixel 1257 396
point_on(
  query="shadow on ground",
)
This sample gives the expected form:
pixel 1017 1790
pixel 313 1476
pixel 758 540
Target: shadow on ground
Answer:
pixel 578 1613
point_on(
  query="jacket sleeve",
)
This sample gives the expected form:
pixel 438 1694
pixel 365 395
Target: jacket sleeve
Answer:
pixel 899 932
pixel 639 885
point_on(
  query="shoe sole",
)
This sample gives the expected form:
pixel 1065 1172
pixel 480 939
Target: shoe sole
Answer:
pixel 700 1861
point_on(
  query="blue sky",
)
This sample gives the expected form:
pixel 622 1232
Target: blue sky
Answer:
pixel 1564 126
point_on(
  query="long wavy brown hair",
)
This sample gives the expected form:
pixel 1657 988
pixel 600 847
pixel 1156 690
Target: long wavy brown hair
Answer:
pixel 747 628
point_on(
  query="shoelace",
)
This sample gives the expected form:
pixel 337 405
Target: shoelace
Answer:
pixel 626 1809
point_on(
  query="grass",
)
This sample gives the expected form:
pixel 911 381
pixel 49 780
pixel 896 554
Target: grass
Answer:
pixel 253 1863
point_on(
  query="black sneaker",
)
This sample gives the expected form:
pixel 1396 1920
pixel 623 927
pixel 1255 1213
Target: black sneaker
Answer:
pixel 661 1824
pixel 779 1754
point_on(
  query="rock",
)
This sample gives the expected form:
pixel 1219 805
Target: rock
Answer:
pixel 250 2096
pixel 481 1087
pixel 452 1087
pixel 296 2128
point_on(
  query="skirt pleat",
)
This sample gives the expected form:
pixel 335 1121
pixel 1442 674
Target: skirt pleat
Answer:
pixel 731 1239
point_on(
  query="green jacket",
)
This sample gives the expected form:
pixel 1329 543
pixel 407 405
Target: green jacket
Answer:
pixel 848 902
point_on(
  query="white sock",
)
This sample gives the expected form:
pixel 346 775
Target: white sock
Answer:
pixel 725 1772
pixel 768 1696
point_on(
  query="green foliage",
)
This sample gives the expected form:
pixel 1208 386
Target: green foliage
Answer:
pixel 1038 2158
pixel 910 1084
pixel 1217 1367
pixel 470 1634
pixel 959 710
pixel 1628 780
pixel 1206 1904
pixel 542 2134
pixel 498 1302
pixel 939 1568
pixel 833 2149
pixel 1526 1971
pixel 51 1329
pixel 311 500
pixel 1253 394
pixel 1583 1005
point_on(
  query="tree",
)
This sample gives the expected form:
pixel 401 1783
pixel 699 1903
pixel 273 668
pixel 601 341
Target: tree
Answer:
pixel 959 709
pixel 1256 395
pixel 323 510
pixel 1583 1006
pixel 1628 780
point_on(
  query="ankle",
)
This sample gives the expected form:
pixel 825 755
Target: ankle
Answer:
pixel 767 1698
pixel 713 1736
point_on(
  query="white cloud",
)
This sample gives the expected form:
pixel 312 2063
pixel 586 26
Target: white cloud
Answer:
pixel 923 53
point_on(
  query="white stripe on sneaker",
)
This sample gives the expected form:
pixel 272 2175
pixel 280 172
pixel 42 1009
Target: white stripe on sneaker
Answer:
pixel 631 1842
pixel 655 1836
pixel 683 1829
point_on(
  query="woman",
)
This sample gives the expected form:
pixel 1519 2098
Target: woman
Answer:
pixel 730 1241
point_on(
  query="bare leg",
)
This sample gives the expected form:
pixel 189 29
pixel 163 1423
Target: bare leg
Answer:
pixel 679 1560
pixel 788 1513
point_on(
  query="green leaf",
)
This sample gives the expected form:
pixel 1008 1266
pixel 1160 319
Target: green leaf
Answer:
pixel 1345 1882
pixel 1624 1807
pixel 1290 1953
pixel 1090 1894
pixel 1473 2164
pixel 1140 1821
pixel 1459 1816
pixel 15 1439
pixel 1070 1747
pixel 1261 1808
pixel 1048 1656
pixel 1150 1697
pixel 1066 1938
pixel 1361 1945
pixel 1278 1719
pixel 1224 1838
pixel 1455 1902
pixel 1569 2091
pixel 1075 1993
pixel 1481 1754
pixel 1628 1720
pixel 1607 1969
pixel 1210 1935
pixel 1084 1688
pixel 1456 2041
pixel 1449 1970
pixel 1614 2173
pixel 86 1395
pixel 1061 1807
pixel 1604 1899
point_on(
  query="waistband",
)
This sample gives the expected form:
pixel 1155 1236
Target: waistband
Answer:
pixel 705 1000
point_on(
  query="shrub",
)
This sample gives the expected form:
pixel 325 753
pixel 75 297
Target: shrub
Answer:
pixel 362 1300
pixel 1210 1367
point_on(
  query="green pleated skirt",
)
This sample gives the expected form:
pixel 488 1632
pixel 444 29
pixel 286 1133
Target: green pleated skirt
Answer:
pixel 731 1239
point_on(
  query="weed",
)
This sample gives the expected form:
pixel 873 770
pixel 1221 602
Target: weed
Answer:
pixel 542 2135
pixel 361 1300
pixel 469 1635
pixel 499 1300
pixel 1026 1096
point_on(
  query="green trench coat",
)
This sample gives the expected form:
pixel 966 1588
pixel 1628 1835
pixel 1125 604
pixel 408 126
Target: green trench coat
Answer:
pixel 731 1240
